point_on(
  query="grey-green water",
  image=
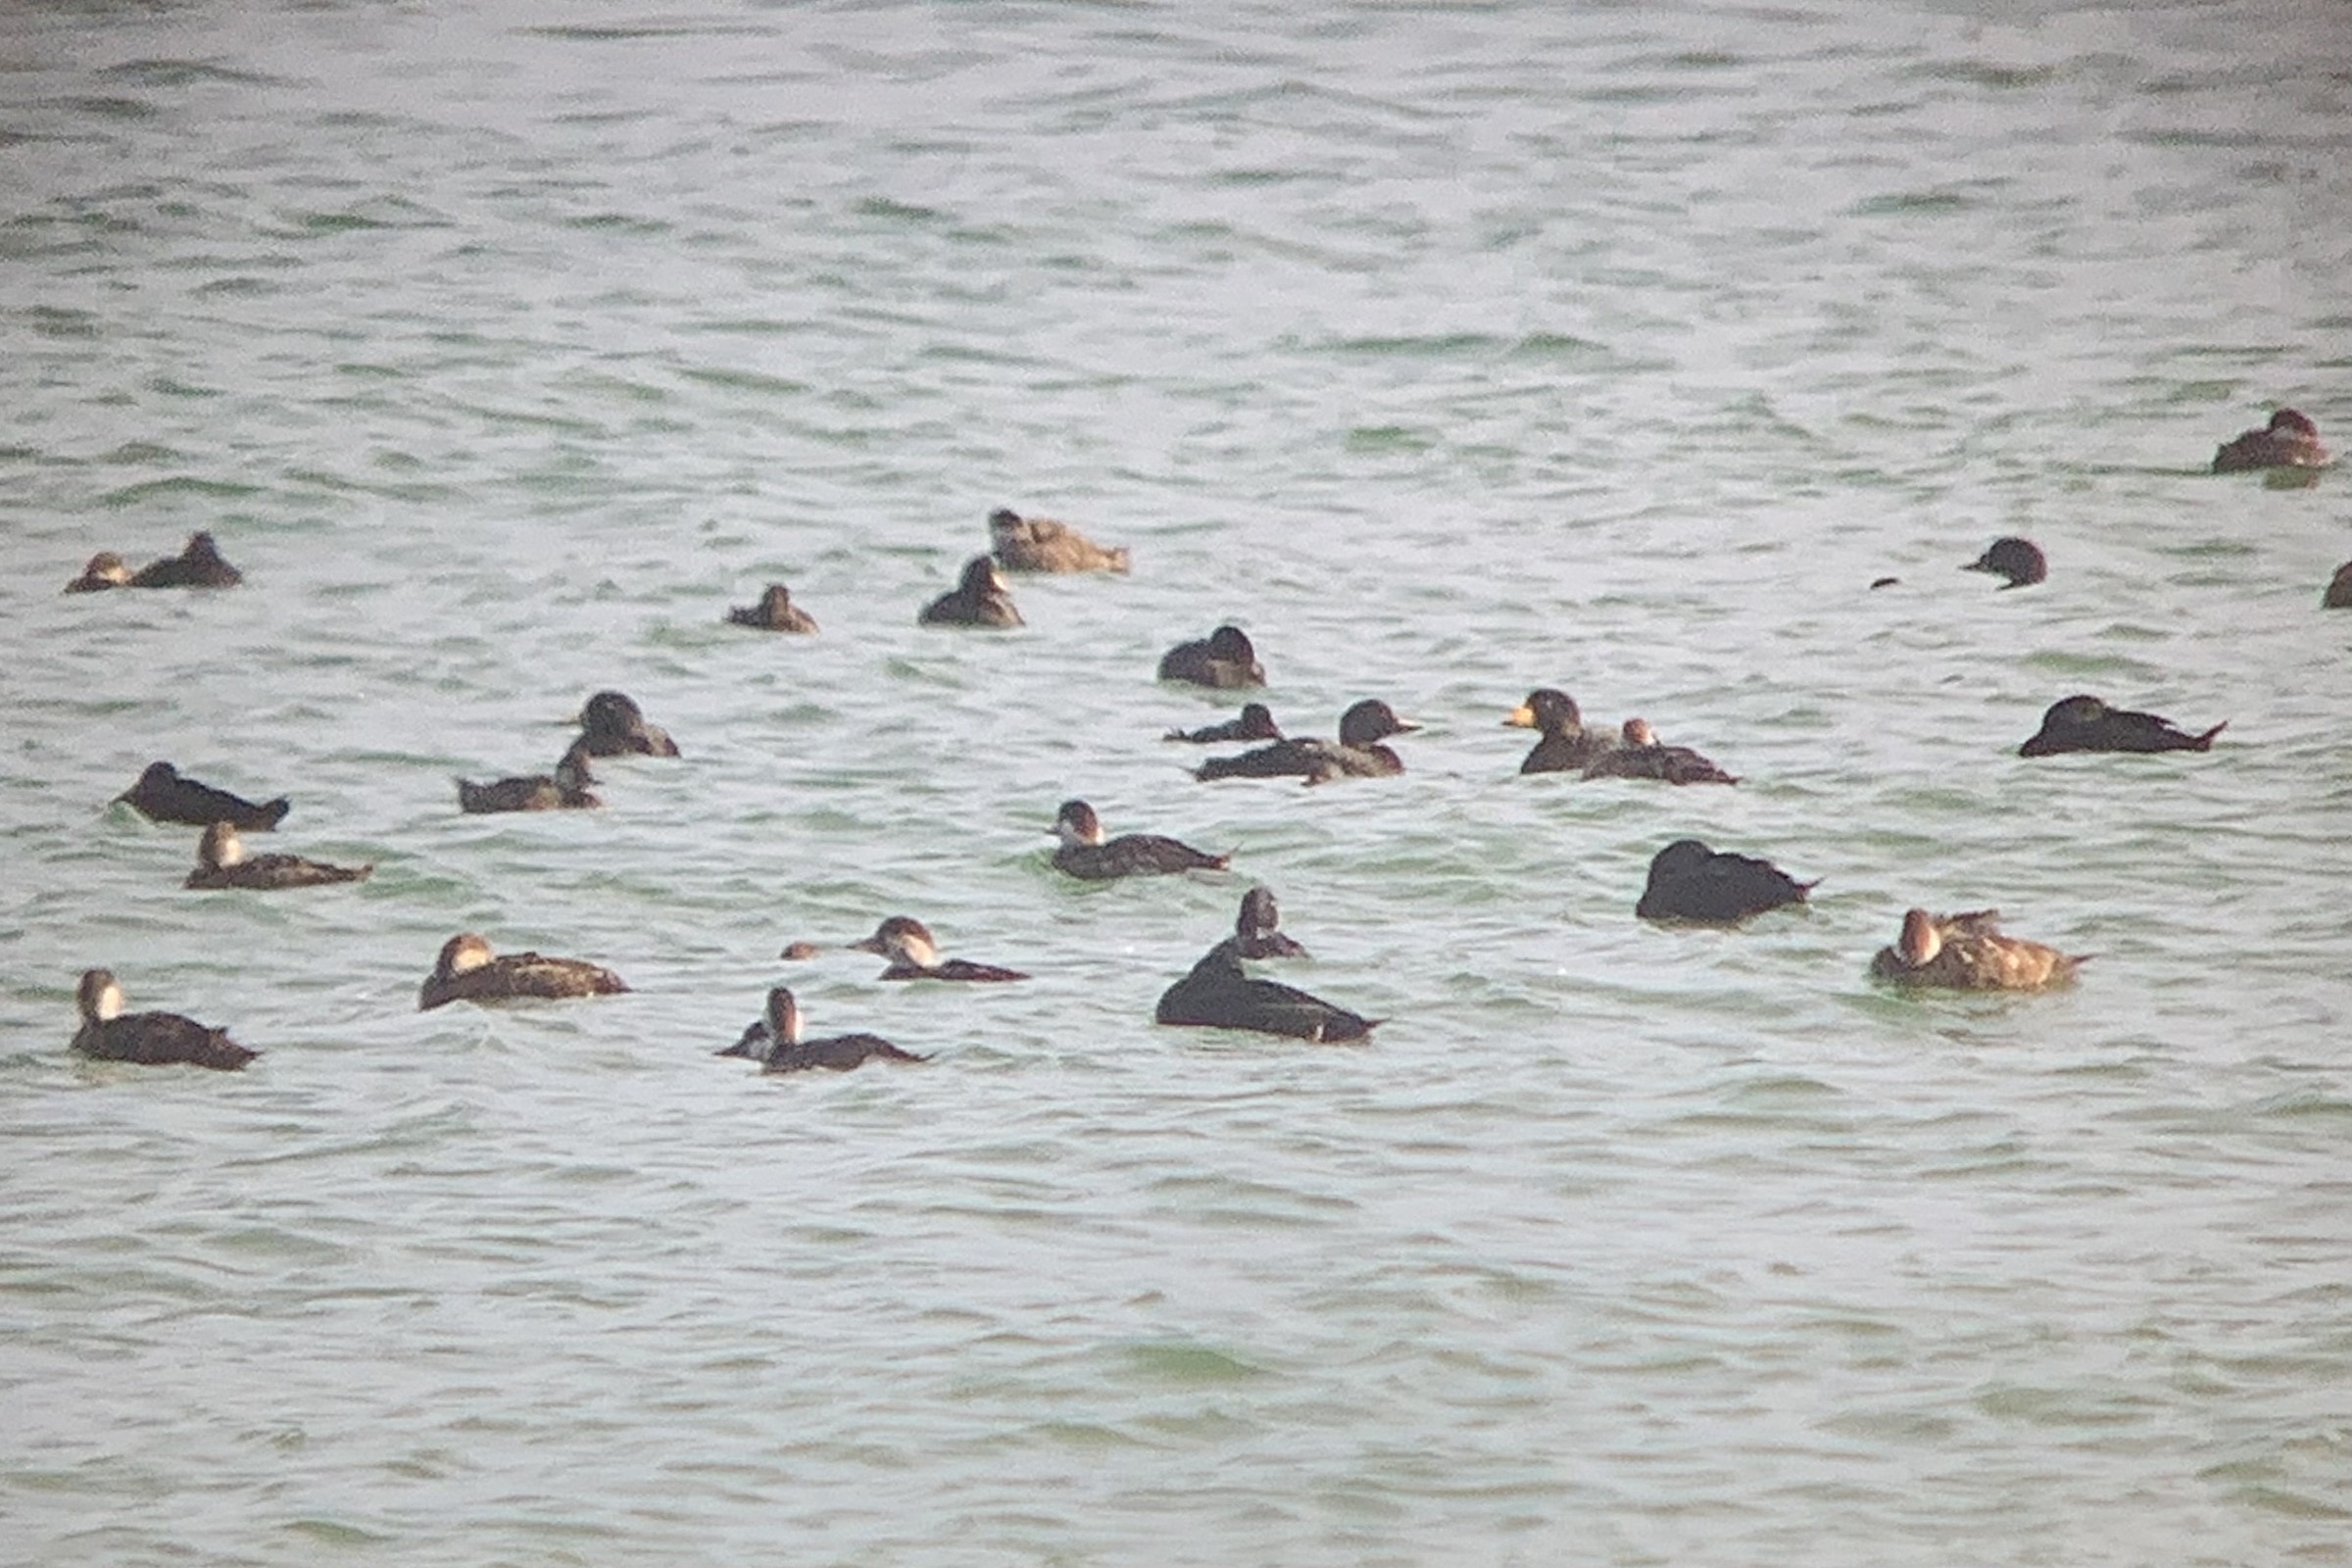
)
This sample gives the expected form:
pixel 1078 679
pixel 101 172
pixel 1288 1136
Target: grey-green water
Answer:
pixel 1453 351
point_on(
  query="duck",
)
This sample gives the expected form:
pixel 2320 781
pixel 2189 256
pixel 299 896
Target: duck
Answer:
pixel 2339 595
pixel 1643 757
pixel 1224 659
pixel 1566 745
pixel 467 971
pixel 774 1042
pixel 1358 754
pixel 775 612
pixel 979 599
pixel 1085 853
pixel 105 570
pixel 1969 953
pixel 1219 993
pixel 2289 441
pixel 2021 560
pixel 161 795
pixel 199 566
pixel 914 954
pixel 566 790
pixel 151 1038
pixel 1691 883
pixel 1040 544
pixel 613 725
pixel 221 862
pixel 1257 928
pixel 2086 724
pixel 1255 723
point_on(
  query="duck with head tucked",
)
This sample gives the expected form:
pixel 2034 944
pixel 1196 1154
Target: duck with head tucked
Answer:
pixel 105 570
pixel 979 599
pixel 565 790
pixel 1358 754
pixel 2088 724
pixel 1225 659
pixel 1969 953
pixel 914 954
pixel 1643 757
pixel 1087 855
pixel 1040 544
pixel 468 972
pixel 611 724
pixel 163 794
pixel 1255 724
pixel 151 1038
pixel 1693 885
pixel 2020 561
pixel 775 612
pixel 1565 746
pixel 1219 993
pixel 221 862
pixel 199 566
pixel 2289 441
pixel 776 1043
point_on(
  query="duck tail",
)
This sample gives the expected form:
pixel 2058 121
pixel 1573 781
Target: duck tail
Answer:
pixel 273 813
pixel 2204 742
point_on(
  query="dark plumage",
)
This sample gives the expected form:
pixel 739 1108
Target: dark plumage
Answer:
pixel 1358 754
pixel 105 570
pixel 1255 723
pixel 915 955
pixel 2021 560
pixel 199 566
pixel 2339 589
pixel 611 724
pixel 1085 853
pixel 221 862
pixel 1040 544
pixel 1256 928
pixel 1687 881
pixel 566 789
pixel 1218 994
pixel 1224 660
pixel 775 1043
pixel 979 599
pixel 152 1039
pixel 162 796
pixel 1643 757
pixel 1566 745
pixel 775 612
pixel 2289 441
pixel 467 971
pixel 2088 724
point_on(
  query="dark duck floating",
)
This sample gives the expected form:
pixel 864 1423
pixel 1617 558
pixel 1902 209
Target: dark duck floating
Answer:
pixel 151 1038
pixel 221 862
pixel 199 566
pixel 1219 993
pixel 613 725
pixel 775 1043
pixel 1040 544
pixel 979 599
pixel 467 971
pixel 1565 746
pixel 914 954
pixel 1690 882
pixel 1969 953
pixel 2289 441
pixel 1643 757
pixel 1255 723
pixel 1085 854
pixel 775 612
pixel 105 570
pixel 565 790
pixel 1224 659
pixel 2088 724
pixel 2338 593
pixel 1358 754
pixel 162 796
pixel 2020 561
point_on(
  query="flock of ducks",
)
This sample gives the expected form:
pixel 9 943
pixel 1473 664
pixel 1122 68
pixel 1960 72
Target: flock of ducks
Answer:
pixel 1687 881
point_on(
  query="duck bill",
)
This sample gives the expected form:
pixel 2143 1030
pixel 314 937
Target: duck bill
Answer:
pixel 869 944
pixel 741 1048
pixel 1520 718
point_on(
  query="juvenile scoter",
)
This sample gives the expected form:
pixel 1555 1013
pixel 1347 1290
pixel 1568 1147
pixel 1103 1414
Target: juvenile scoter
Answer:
pixel 1358 754
pixel 1690 882
pixel 775 612
pixel 1255 723
pixel 979 599
pixel 221 862
pixel 105 570
pixel 1040 544
pixel 467 971
pixel 2021 560
pixel 199 566
pixel 162 796
pixel 1085 853
pixel 1257 928
pixel 566 789
pixel 775 1043
pixel 1224 659
pixel 613 725
pixel 1566 747
pixel 1218 994
pixel 153 1038
pixel 2339 595
pixel 2289 441
pixel 1968 952
pixel 2088 724
pixel 913 956
pixel 1641 757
